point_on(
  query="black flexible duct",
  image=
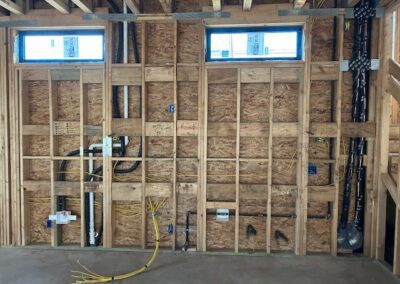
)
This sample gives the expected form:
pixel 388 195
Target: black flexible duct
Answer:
pixel 351 235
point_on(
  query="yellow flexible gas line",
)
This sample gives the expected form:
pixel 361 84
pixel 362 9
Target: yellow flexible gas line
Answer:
pixel 90 277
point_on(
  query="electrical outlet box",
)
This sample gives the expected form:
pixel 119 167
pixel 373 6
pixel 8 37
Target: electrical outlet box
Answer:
pixel 222 215
pixel 62 217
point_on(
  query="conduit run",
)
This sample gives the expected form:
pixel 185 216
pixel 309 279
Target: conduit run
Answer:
pixel 350 235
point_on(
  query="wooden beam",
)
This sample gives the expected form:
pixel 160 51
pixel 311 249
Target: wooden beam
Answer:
pixel 299 3
pixel 247 5
pixel 59 5
pixel 394 88
pixel 217 5
pixel 85 5
pixel 133 6
pixel 12 7
pixel 167 5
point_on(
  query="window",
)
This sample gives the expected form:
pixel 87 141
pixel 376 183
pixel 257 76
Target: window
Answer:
pixel 254 43
pixel 61 46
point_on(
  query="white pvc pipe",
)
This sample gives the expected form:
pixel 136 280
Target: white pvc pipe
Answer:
pixel 92 235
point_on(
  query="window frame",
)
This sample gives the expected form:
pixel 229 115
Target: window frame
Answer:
pixel 269 29
pixel 60 32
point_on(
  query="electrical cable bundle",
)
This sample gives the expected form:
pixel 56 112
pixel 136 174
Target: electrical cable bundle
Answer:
pixel 88 276
pixel 351 235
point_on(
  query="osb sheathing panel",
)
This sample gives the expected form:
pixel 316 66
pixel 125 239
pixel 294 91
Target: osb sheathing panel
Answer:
pixel 188 100
pixel 283 199
pixel 71 233
pixel 38 210
pixel 318 235
pixel 222 103
pixel 220 235
pixel 254 106
pixel 187 147
pixel 221 147
pixel 127 223
pixel 188 42
pixel 186 201
pixel 187 171
pixel 248 144
pixel 286 102
pixel 160 46
pixel 285 226
pixel 38 145
pixel 37 93
pixel 320 101
pixel 252 242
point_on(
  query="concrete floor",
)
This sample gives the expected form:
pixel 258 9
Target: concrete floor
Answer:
pixel 34 266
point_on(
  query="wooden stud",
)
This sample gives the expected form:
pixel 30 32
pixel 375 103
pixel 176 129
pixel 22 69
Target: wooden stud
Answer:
pixel 174 192
pixel 383 110
pixel 83 114
pixel 107 131
pixel 216 5
pixel 247 5
pixel 237 175
pixel 144 140
pixel 299 3
pixel 302 149
pixel 338 120
pixel 270 143
pixel 201 138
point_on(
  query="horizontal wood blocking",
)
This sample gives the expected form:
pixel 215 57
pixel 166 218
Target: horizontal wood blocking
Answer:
pixel 215 205
pixel 121 191
pixel 349 129
pixel 89 76
pixel 130 74
pixel 321 193
pixel 320 71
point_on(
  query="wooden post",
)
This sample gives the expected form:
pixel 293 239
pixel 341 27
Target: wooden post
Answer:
pixel 270 143
pixel 338 120
pixel 237 175
pixel 382 151
pixel 144 140
pixel 302 148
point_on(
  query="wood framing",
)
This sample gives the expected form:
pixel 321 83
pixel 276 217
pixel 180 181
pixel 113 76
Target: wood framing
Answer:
pixel 12 7
pixel 247 5
pixel 204 136
pixel 59 5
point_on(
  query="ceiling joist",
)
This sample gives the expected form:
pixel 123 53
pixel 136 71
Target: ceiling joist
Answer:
pixel 299 3
pixel 59 5
pixel 247 5
pixel 85 5
pixel 217 5
pixel 167 5
pixel 133 6
pixel 12 7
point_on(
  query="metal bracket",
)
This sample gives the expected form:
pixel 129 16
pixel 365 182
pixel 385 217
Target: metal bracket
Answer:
pixel 15 24
pixel 107 146
pixel 324 12
pixel 344 65
pixel 135 17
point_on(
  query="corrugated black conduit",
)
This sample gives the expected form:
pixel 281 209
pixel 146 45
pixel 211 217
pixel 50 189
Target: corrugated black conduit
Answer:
pixel 351 235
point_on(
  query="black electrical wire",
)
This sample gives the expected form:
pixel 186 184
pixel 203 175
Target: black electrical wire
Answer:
pixel 351 236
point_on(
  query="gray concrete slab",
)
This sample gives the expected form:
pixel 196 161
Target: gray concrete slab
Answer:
pixel 38 266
